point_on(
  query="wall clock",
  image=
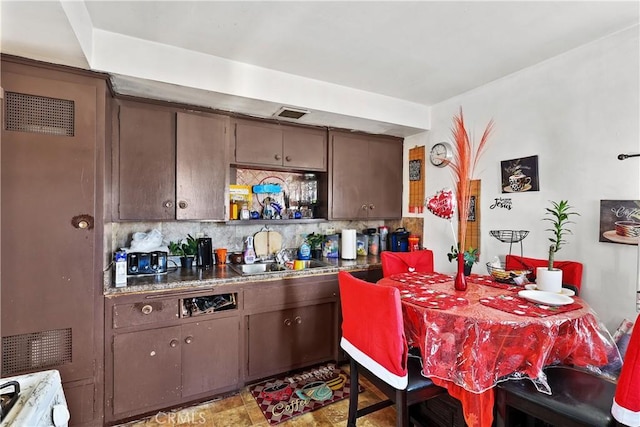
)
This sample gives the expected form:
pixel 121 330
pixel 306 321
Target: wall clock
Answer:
pixel 441 154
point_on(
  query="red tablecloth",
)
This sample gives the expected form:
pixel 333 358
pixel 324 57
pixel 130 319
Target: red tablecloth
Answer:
pixel 469 348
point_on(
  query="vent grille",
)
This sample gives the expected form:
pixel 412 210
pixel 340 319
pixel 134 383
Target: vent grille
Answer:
pixel 39 114
pixel 290 113
pixel 35 351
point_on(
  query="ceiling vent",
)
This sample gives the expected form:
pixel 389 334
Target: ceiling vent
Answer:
pixel 290 113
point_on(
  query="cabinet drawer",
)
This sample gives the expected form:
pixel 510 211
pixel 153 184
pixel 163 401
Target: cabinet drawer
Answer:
pixel 143 313
pixel 263 296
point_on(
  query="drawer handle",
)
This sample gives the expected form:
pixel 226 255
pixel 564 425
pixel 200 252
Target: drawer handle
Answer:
pixel 278 156
pixel 287 322
pixel 182 204
pixel 363 207
pixel 298 320
pixel 188 339
pixel 147 309
pixel 372 206
pixel 173 343
pixel 168 204
pixel 288 158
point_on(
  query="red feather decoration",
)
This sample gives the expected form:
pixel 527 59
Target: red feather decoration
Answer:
pixel 465 158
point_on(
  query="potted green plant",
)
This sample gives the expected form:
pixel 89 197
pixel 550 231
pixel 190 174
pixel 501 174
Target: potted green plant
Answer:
pixel 315 241
pixel 470 256
pixel 549 278
pixel 186 250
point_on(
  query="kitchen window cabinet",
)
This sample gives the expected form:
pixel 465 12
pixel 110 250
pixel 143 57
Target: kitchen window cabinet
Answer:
pixel 277 146
pixel 365 180
pixel 171 164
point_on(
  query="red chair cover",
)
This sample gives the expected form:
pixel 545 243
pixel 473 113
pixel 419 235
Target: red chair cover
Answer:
pixel 626 404
pixel 403 262
pixel 373 329
pixel 571 270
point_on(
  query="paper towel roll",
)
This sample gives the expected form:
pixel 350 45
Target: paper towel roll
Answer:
pixel 348 246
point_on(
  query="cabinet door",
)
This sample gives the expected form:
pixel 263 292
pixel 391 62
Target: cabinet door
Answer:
pixel 287 339
pixel 146 163
pixel 202 166
pixel 305 149
pixel 258 143
pixel 385 183
pixel 146 369
pixel 349 177
pixel 49 152
pixel 210 355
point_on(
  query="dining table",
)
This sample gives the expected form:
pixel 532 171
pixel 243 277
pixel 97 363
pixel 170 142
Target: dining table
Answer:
pixel 471 340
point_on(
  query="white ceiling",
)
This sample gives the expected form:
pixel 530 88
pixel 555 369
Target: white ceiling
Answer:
pixel 373 66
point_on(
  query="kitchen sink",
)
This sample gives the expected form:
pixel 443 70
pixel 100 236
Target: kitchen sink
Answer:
pixel 272 267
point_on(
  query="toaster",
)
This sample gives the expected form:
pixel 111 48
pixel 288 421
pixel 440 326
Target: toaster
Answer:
pixel 146 263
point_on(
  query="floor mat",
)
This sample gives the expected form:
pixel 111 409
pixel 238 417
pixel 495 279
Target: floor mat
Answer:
pixel 300 392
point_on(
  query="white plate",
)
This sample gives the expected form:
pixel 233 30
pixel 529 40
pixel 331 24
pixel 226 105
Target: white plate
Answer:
pixel 565 291
pixel 547 298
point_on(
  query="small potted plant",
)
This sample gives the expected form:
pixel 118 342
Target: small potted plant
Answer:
pixel 315 241
pixel 186 250
pixel 549 278
pixel 470 256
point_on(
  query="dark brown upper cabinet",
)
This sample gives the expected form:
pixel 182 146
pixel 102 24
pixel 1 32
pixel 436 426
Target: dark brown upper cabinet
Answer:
pixel 169 164
pixel 277 146
pixel 365 179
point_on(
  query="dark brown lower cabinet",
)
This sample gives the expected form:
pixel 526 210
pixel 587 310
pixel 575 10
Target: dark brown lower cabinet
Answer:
pixel 286 339
pixel 162 357
pixel 160 353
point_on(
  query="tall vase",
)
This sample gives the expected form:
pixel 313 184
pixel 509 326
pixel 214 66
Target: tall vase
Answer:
pixel 460 282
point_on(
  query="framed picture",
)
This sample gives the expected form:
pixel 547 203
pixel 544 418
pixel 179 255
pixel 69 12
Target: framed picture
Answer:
pixel 620 221
pixel 520 175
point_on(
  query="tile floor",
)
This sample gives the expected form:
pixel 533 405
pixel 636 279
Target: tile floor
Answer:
pixel 241 410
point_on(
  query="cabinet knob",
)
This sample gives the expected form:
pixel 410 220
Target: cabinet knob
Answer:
pixel 288 158
pixel 147 309
pixel 168 204
pixel 277 156
pixel 287 322
pixel 363 207
pixel 372 207
pixel 298 320
pixel 182 204
pixel 188 339
pixel 173 343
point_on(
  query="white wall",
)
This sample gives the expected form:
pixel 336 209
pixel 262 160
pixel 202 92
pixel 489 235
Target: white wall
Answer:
pixel 577 112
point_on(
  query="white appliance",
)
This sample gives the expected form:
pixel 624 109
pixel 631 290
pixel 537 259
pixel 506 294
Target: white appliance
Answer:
pixel 41 401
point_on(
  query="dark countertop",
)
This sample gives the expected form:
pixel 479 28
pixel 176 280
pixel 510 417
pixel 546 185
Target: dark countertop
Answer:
pixel 189 279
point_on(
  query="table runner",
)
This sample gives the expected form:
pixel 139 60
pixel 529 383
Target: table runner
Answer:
pixel 521 307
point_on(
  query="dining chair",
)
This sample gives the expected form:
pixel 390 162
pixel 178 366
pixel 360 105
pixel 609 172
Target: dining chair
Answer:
pixel 579 398
pixel 373 338
pixel 403 262
pixel 571 270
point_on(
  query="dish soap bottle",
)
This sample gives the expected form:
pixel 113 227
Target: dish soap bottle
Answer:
pixel 249 253
pixel 304 252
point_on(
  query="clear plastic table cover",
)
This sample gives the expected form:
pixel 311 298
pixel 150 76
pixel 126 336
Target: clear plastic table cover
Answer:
pixel 475 346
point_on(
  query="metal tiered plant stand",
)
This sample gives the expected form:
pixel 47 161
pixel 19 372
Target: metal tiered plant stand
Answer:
pixel 511 237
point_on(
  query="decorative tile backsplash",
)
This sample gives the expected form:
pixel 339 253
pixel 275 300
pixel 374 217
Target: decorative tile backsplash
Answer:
pixel 225 235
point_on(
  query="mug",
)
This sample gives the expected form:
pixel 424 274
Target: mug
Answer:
pixel 519 182
pixel 221 256
pixel 317 390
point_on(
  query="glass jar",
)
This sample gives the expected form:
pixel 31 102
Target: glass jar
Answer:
pixel 309 189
